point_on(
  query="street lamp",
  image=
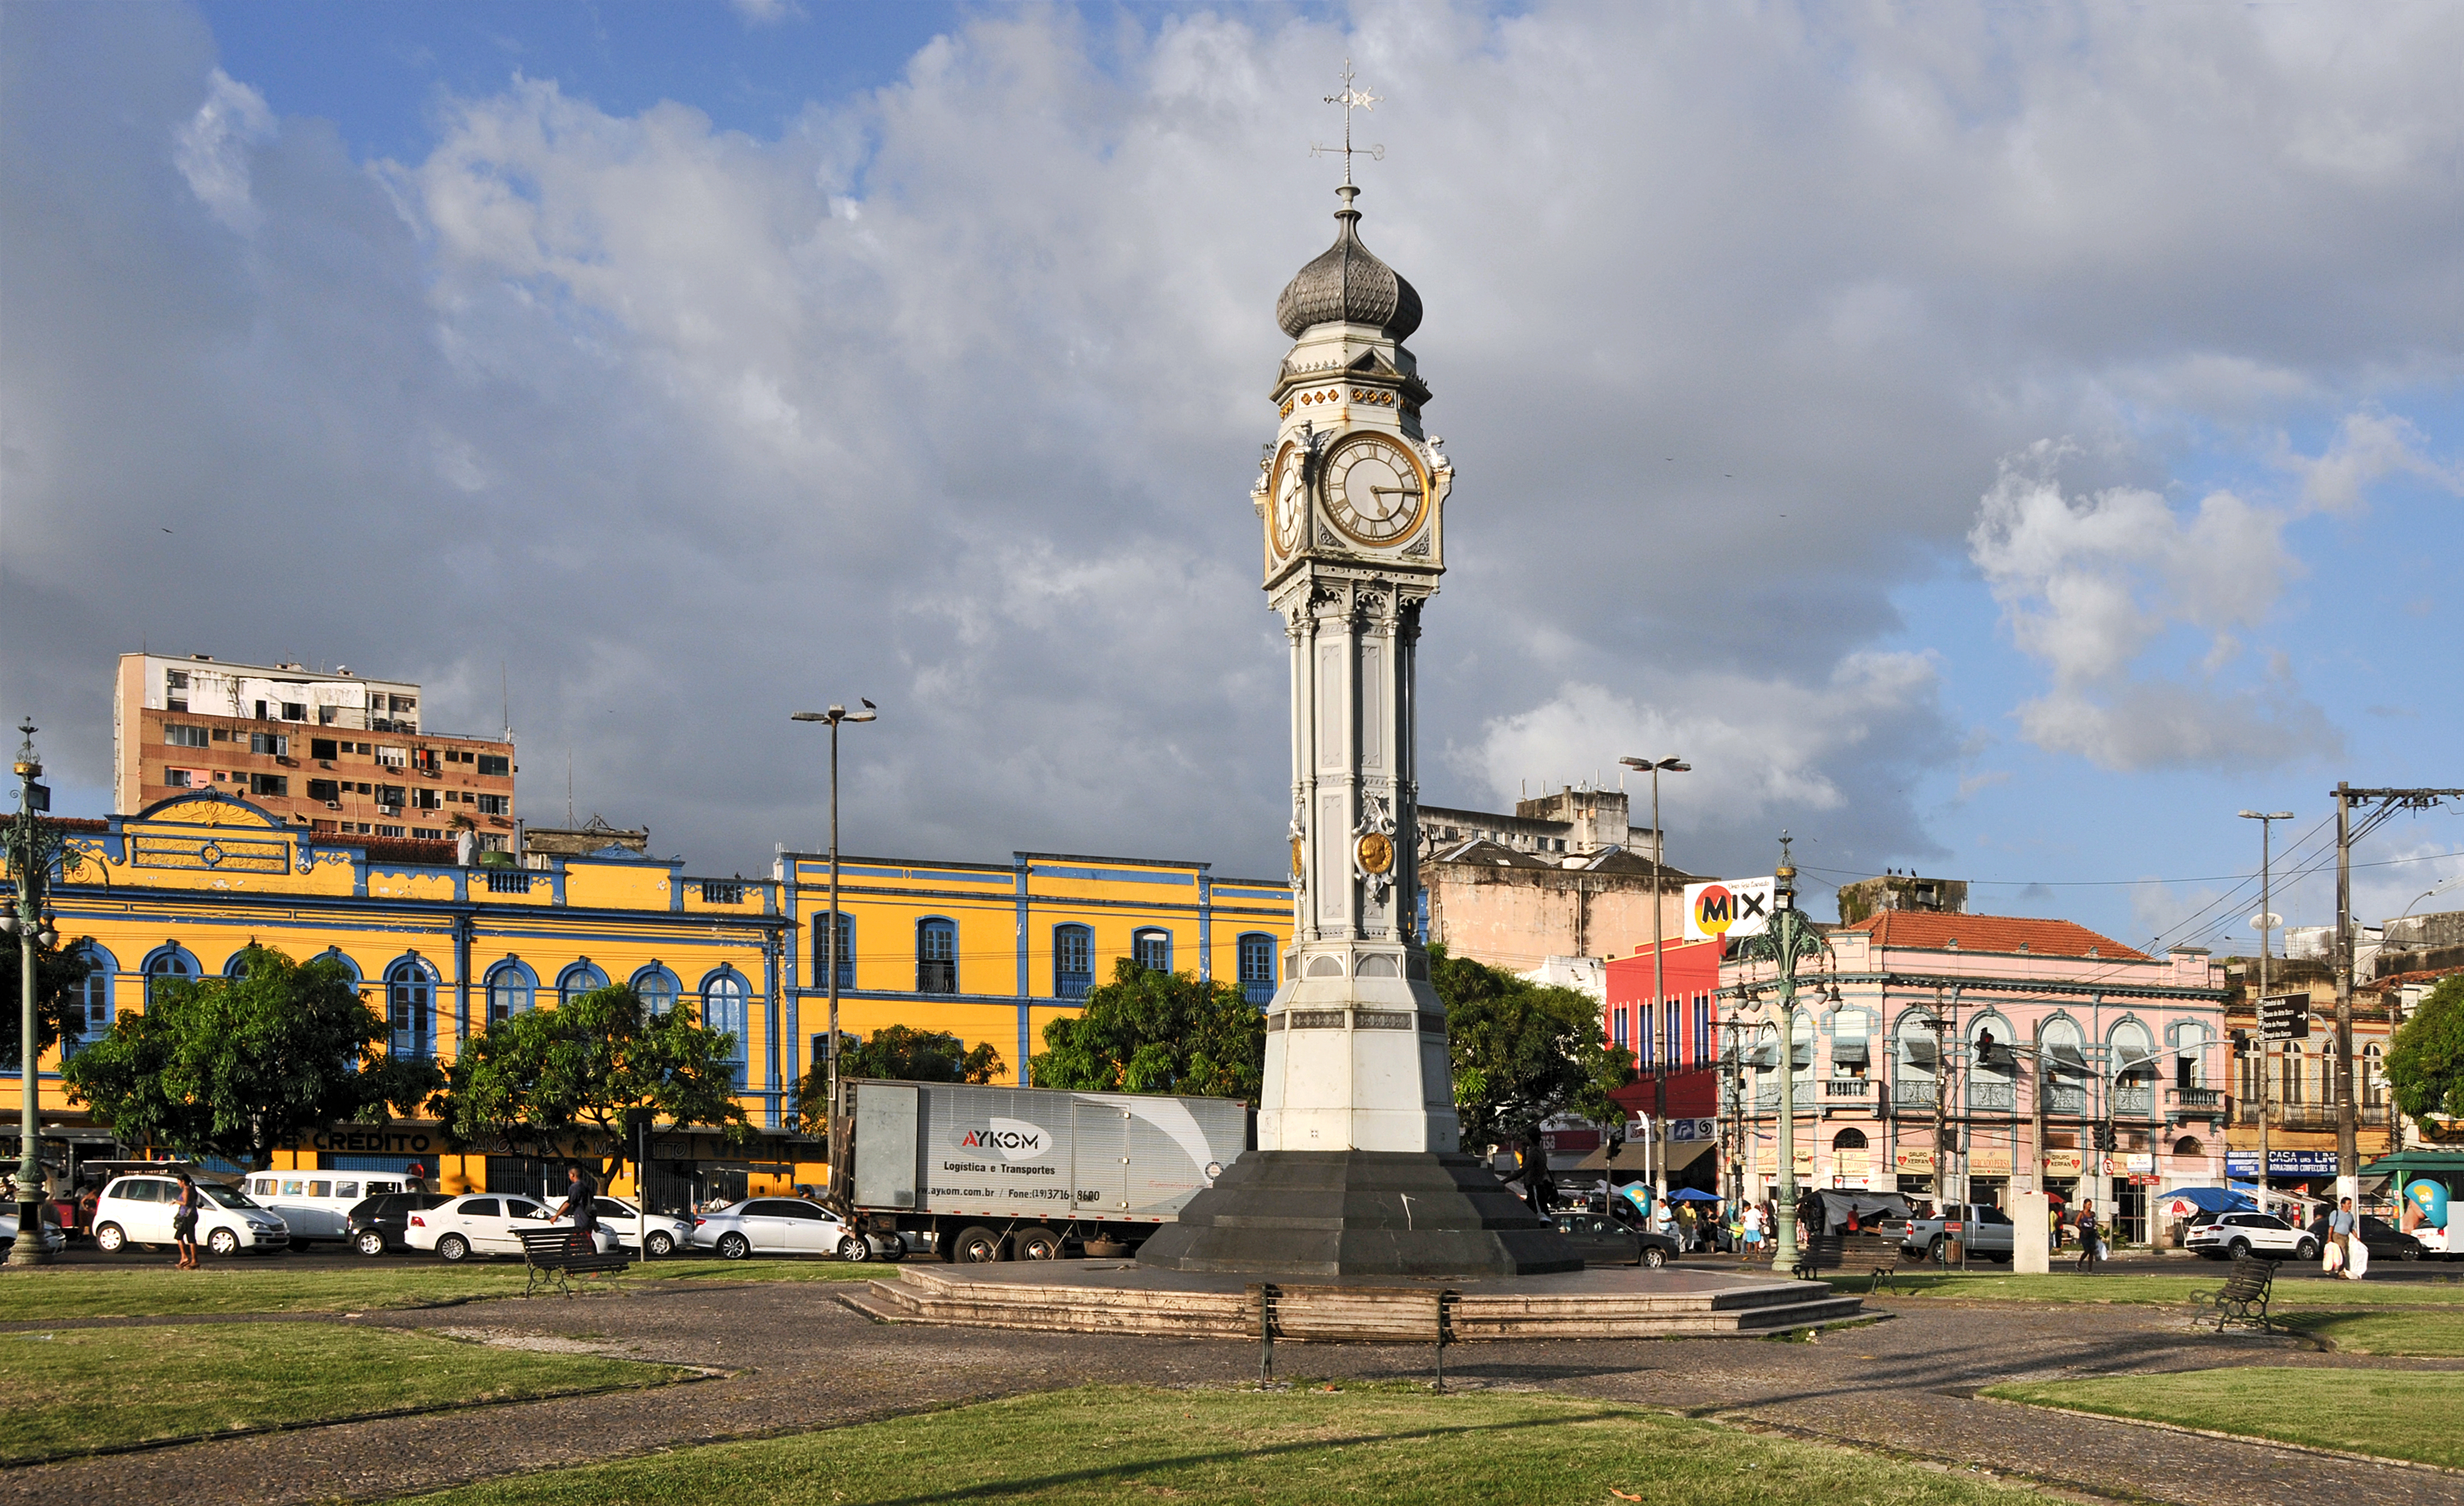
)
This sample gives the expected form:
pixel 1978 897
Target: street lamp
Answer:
pixel 834 716
pixel 2258 1013
pixel 1658 985
pixel 30 851
pixel 1786 940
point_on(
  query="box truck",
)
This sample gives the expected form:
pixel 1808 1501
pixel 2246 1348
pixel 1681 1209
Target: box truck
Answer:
pixel 974 1173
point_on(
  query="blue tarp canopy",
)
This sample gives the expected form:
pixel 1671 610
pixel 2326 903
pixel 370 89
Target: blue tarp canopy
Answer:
pixel 2210 1199
pixel 1687 1195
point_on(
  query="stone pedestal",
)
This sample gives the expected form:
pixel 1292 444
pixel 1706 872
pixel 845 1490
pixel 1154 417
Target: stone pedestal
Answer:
pixel 1359 1213
pixel 2030 1233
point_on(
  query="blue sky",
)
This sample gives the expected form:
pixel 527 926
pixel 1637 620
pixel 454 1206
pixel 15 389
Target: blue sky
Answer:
pixel 2003 449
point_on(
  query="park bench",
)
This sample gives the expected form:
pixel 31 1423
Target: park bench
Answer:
pixel 555 1255
pixel 1352 1314
pixel 1877 1254
pixel 2242 1298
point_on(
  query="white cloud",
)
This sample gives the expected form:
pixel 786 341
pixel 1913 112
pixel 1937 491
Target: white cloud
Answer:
pixel 765 12
pixel 211 149
pixel 2368 448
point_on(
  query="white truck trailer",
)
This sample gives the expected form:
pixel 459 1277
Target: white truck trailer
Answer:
pixel 972 1175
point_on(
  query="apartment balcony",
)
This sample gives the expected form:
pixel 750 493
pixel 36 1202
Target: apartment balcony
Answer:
pixel 2320 1117
pixel 2066 1098
pixel 2191 1103
pixel 1993 1098
pixel 2134 1102
pixel 1808 1097
pixel 1913 1094
pixel 1848 1093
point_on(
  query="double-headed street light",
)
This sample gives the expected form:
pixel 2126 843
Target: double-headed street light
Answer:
pixel 1659 984
pixel 1787 940
pixel 838 925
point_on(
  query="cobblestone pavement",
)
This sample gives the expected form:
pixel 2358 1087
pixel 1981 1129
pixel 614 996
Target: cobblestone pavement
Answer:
pixel 797 1360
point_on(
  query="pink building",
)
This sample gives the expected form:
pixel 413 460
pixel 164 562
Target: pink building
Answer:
pixel 2025 1040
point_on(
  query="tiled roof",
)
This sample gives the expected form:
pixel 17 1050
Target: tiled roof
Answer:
pixel 2050 938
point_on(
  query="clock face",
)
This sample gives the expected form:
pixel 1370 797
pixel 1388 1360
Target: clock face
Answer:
pixel 1375 489
pixel 1287 519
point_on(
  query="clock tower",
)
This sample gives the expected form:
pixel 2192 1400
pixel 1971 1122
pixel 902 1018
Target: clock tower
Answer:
pixel 1360 1167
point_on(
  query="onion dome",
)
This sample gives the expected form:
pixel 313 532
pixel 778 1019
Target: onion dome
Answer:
pixel 1346 284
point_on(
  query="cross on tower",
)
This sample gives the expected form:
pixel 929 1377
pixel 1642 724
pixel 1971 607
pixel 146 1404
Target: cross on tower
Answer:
pixel 1347 98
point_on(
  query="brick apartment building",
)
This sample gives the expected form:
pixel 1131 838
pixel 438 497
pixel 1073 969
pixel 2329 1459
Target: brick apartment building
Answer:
pixel 337 753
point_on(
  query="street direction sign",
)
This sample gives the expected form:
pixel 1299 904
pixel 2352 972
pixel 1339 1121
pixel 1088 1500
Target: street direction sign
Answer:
pixel 2285 1016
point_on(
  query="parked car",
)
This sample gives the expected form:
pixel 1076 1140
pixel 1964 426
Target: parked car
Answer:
pixel 2384 1240
pixel 667 1232
pixel 54 1241
pixel 1602 1240
pixel 136 1210
pixel 484 1223
pixel 787 1226
pixel 375 1225
pixel 2234 1235
pixel 1985 1229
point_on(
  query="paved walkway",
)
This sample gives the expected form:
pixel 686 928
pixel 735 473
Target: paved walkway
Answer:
pixel 799 1361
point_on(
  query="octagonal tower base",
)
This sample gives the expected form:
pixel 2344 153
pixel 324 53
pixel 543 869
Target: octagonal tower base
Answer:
pixel 1359 1213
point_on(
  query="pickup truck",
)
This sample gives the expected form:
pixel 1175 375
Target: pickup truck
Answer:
pixel 1986 1229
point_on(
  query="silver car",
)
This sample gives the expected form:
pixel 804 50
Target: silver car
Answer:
pixel 787 1226
pixel 53 1241
pixel 667 1232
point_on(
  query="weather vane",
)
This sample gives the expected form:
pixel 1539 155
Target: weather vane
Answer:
pixel 1347 98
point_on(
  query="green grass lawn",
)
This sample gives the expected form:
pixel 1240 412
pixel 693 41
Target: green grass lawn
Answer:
pixel 1393 1447
pixel 86 1388
pixel 2434 1335
pixel 268 1284
pixel 2167 1289
pixel 2400 1415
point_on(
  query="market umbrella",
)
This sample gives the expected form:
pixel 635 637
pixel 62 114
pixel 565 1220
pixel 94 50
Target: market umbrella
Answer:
pixel 1686 1195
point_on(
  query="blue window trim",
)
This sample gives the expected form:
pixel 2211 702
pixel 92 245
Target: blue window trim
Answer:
pixel 520 971
pixel 822 950
pixel 104 970
pixel 189 966
pixel 931 925
pixel 411 970
pixel 571 981
pixel 1138 940
pixel 658 986
pixel 1252 944
pixel 724 983
pixel 1070 983
pixel 334 953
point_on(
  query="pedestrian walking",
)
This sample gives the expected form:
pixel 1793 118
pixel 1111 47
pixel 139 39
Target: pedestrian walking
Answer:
pixel 184 1224
pixel 581 1206
pixel 1685 1234
pixel 2091 1240
pixel 2340 1226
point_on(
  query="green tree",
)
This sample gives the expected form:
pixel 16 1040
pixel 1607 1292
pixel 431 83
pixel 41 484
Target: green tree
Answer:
pixel 583 1080
pixel 1154 1032
pixel 2425 1063
pixel 59 1010
pixel 901 1054
pixel 244 1066
pixel 1522 1053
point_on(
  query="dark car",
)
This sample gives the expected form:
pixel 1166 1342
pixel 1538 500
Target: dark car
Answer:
pixel 378 1224
pixel 2384 1240
pixel 1602 1240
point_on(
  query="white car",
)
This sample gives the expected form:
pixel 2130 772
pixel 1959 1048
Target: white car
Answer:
pixel 2234 1235
pixel 667 1232
pixel 484 1223
pixel 137 1210
pixel 787 1226
pixel 54 1241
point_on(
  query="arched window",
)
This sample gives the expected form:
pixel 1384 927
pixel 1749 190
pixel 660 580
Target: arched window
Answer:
pixel 725 1005
pixel 1919 1050
pixel 1073 961
pixel 1258 967
pixel 2290 1091
pixel 410 997
pixel 2374 1080
pixel 657 987
pixel 822 933
pixel 93 997
pixel 937 956
pixel 341 959
pixel 235 965
pixel 1852 1033
pixel 171 960
pixel 583 977
pixel 513 989
pixel 1992 1067
pixel 1152 948
pixel 2189 1146
pixel 1848 1140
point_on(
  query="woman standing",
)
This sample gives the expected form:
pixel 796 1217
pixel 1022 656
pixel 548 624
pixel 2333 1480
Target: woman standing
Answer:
pixel 183 1223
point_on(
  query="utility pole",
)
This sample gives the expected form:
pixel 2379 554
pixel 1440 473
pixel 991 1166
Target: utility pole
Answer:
pixel 2258 1013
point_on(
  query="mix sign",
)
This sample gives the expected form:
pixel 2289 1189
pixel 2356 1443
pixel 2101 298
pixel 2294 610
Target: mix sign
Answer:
pixel 1727 907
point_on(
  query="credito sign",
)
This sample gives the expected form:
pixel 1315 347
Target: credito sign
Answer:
pixel 1727 907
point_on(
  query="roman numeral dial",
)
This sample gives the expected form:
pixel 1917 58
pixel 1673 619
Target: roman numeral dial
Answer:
pixel 1377 490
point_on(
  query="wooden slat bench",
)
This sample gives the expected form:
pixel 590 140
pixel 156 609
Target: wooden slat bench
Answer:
pixel 2243 1298
pixel 1877 1254
pixel 554 1255
pixel 1352 1314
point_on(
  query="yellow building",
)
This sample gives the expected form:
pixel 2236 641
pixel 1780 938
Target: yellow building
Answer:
pixel 989 952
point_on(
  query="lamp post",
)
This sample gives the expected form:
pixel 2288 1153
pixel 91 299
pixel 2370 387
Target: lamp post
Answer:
pixel 834 716
pixel 1787 939
pixel 1658 979
pixel 31 850
pixel 2258 1014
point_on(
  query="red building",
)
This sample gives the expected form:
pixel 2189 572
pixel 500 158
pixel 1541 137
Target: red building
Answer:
pixel 1675 1041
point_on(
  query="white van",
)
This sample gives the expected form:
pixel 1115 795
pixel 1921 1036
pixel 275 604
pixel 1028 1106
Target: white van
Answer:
pixel 316 1204
pixel 137 1210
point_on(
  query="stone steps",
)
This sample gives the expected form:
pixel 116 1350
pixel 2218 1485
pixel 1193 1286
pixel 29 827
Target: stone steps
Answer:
pixel 946 1297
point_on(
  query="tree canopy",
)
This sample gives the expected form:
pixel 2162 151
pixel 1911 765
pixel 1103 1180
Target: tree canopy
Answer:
pixel 59 1010
pixel 1523 1052
pixel 241 1067
pixel 1154 1032
pixel 902 1054
pixel 2425 1063
pixel 587 1075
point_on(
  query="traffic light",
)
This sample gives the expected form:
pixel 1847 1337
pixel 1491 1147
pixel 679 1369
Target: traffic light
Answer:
pixel 2105 1137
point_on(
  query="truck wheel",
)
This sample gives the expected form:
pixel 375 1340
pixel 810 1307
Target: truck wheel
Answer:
pixel 977 1246
pixel 1037 1244
pixel 1939 1252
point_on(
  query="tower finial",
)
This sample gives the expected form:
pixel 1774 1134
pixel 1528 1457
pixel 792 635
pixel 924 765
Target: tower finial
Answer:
pixel 1349 97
